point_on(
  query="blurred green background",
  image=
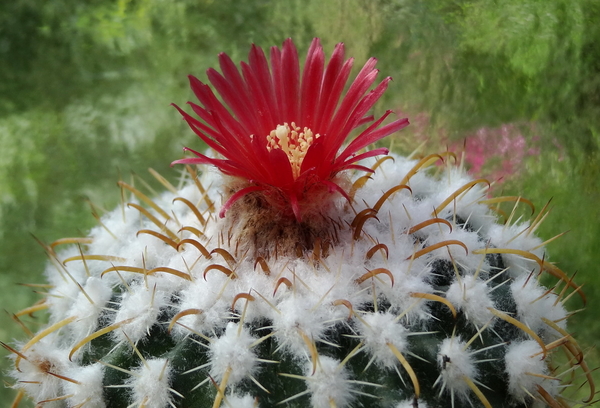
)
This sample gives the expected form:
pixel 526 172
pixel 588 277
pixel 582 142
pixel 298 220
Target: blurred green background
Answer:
pixel 85 89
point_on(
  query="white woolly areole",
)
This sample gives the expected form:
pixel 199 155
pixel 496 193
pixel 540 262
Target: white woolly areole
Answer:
pixel 534 304
pixel 515 236
pixel 328 384
pixel 401 299
pixel 379 331
pixel 455 363
pixel 241 401
pixel 64 289
pixel 32 374
pixel 88 306
pixel 231 355
pixel 299 320
pixel 412 403
pixel 141 306
pixel 212 308
pixel 150 384
pixel 88 390
pixel 471 296
pixel 521 360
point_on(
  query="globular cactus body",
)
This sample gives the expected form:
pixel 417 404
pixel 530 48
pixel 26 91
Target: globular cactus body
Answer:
pixel 405 293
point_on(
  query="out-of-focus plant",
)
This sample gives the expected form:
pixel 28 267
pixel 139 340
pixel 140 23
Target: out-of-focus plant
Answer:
pixel 502 152
pixel 479 63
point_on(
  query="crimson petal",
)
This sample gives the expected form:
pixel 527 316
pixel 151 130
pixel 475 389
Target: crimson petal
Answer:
pixel 262 114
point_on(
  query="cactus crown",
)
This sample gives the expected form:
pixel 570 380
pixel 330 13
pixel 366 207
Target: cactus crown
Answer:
pixel 312 285
pixel 280 134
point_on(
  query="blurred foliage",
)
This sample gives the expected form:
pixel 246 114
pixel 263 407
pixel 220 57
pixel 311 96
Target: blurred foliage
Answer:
pixel 85 89
pixel 484 63
pixel 55 51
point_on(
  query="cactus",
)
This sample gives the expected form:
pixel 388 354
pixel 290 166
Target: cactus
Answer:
pixel 313 284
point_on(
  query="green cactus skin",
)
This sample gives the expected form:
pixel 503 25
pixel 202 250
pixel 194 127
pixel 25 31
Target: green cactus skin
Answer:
pixel 407 308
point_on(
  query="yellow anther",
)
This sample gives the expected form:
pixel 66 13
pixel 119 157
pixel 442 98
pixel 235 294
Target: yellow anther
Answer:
pixel 294 141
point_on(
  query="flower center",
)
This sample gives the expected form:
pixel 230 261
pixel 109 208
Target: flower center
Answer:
pixel 293 141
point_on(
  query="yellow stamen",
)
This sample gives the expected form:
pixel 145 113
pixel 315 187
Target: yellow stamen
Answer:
pixel 294 141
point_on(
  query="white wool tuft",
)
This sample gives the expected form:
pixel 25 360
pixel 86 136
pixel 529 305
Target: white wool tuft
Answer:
pixel 240 401
pixel 209 300
pixel 142 305
pixel 522 360
pixel 328 385
pixel 150 383
pixel 471 296
pixel 514 237
pixel 88 390
pixel 455 363
pixel 232 353
pixel 32 373
pixel 64 290
pixel 534 304
pixel 401 299
pixel 299 320
pixel 88 306
pixel 379 331
pixel 412 403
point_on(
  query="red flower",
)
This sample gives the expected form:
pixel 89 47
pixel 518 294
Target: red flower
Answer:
pixel 283 131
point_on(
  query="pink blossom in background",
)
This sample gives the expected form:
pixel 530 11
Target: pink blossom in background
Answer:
pixel 497 154
pixel 501 150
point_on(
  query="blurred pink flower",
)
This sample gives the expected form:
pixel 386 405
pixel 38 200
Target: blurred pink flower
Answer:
pixel 498 153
